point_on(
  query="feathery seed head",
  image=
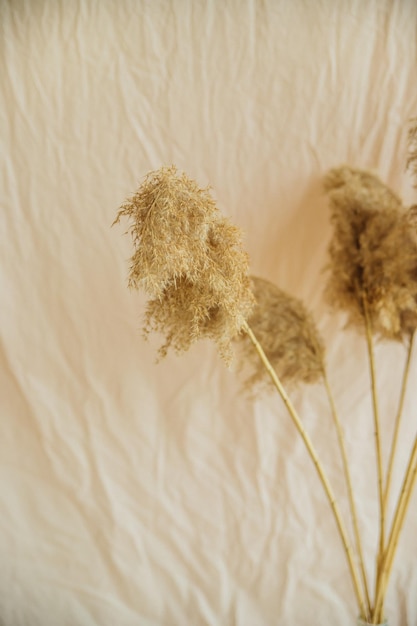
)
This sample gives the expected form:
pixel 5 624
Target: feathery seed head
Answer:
pixel 412 148
pixel 190 261
pixel 288 335
pixel 373 255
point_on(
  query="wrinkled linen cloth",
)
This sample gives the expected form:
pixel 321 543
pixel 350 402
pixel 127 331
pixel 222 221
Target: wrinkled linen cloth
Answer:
pixel 144 494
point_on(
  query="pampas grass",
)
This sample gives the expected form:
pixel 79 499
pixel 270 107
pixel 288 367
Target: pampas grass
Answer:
pixel 288 335
pixel 412 151
pixel 372 277
pixel 370 226
pixel 189 260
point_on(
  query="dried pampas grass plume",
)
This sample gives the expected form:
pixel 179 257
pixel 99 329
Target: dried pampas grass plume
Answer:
pixel 190 261
pixel 373 254
pixel 412 148
pixel 288 336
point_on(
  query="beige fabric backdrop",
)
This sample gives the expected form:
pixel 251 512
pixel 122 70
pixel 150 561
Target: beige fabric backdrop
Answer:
pixel 139 494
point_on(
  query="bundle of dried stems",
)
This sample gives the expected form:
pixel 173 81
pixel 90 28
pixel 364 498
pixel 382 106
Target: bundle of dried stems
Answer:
pixel 373 278
pixel 189 259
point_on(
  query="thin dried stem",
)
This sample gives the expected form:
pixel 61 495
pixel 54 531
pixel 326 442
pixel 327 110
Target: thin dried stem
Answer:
pixel 369 343
pixel 397 524
pixel 320 470
pixel 398 421
pixel 353 512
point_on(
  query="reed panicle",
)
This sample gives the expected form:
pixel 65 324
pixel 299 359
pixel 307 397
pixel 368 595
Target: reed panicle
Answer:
pixel 370 227
pixel 189 259
pixel 288 335
pixel 412 148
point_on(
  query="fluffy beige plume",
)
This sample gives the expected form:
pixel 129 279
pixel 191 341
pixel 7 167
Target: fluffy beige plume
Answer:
pixel 412 152
pixel 190 261
pixel 373 253
pixel 288 336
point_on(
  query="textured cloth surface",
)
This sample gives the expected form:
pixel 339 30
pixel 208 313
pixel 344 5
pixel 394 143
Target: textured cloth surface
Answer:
pixel 143 494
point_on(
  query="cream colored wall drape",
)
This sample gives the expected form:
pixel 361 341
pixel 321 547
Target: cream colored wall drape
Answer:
pixel 139 494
